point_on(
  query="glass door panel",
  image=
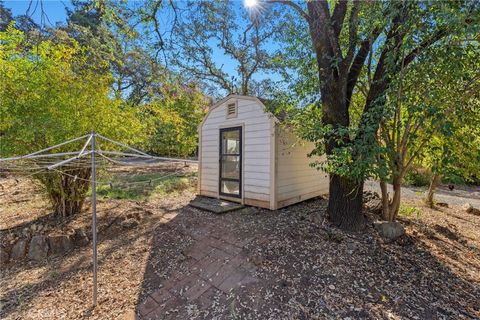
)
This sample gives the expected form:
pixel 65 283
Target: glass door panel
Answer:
pixel 231 161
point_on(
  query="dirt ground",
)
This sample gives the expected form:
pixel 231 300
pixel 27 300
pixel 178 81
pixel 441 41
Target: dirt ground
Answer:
pixel 306 269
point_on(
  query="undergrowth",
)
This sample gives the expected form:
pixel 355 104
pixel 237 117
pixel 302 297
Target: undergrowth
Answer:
pixel 143 186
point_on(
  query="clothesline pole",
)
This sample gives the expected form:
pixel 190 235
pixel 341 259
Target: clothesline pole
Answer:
pixel 94 218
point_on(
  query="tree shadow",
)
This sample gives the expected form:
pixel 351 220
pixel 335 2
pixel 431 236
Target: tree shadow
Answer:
pixel 52 272
pixel 298 267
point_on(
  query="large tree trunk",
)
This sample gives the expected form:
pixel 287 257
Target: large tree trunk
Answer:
pixel 345 203
pixel 431 190
pixel 346 194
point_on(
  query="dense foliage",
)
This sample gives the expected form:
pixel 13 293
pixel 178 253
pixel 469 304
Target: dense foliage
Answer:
pixel 54 88
pixel 50 94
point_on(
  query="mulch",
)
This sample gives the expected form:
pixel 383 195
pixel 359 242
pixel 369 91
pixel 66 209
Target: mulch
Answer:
pixel 303 267
pixel 309 270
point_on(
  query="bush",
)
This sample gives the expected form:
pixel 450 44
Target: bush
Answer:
pixel 418 177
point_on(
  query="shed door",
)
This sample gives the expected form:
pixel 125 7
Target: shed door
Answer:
pixel 231 162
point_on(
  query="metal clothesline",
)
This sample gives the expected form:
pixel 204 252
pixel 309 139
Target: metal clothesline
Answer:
pixel 49 162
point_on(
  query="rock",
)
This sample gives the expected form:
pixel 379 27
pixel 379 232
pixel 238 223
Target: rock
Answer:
pixel 370 195
pixel 26 232
pixel 314 217
pixel 389 230
pixel 468 207
pixel 331 287
pixel 374 206
pixel 59 244
pixel 4 255
pixel 129 223
pixel 19 250
pixel 442 204
pixel 38 248
pixel 80 237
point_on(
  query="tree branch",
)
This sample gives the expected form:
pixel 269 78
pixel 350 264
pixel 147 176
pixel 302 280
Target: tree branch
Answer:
pixel 352 34
pixel 338 16
pixel 358 62
pixel 425 44
pixel 295 6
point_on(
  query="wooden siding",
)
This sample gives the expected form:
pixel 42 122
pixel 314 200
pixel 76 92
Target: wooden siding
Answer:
pixel 295 179
pixel 257 133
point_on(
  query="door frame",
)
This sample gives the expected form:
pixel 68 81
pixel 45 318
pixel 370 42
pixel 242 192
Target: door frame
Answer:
pixel 240 154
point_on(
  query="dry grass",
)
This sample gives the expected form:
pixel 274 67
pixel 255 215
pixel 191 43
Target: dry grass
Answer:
pixel 61 287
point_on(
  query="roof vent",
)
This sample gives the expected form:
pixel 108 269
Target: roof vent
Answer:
pixel 232 110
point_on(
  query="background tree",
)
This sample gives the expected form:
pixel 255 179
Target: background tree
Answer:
pixel 49 93
pixel 454 154
pixel 203 32
pixel 431 105
pixel 5 17
pixel 174 120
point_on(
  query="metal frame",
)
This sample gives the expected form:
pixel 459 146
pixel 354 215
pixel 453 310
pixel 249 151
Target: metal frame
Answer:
pixel 92 140
pixel 240 179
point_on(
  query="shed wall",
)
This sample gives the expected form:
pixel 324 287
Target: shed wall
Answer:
pixel 257 135
pixel 296 180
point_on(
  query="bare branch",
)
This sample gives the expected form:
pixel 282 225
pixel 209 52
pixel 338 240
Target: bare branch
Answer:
pixel 295 6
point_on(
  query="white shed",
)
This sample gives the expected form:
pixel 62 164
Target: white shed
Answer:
pixel 246 156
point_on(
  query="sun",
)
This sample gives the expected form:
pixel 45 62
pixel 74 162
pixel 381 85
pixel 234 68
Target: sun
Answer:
pixel 250 3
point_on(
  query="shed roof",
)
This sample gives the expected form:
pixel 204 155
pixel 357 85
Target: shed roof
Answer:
pixel 279 117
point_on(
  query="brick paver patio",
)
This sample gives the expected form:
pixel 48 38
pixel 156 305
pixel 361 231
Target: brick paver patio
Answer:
pixel 216 264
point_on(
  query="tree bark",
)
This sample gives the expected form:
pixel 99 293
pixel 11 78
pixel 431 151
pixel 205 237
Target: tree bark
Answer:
pixel 431 190
pixel 67 193
pixel 345 203
pixel 395 204
pixel 385 200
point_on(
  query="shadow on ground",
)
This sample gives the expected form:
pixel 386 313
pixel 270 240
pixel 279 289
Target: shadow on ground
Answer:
pixel 291 263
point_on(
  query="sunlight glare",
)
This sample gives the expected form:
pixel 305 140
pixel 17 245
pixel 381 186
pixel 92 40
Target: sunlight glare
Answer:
pixel 250 3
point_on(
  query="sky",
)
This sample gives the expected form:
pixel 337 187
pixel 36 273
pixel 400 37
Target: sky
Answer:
pixel 55 12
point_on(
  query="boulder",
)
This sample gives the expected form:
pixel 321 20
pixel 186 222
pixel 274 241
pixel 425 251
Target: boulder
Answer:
pixel 129 223
pixel 19 250
pixel 59 244
pixel 390 230
pixel 38 248
pixel 4 255
pixel 80 237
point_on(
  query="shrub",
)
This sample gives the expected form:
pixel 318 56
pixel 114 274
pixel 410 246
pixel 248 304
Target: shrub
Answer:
pixel 418 177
